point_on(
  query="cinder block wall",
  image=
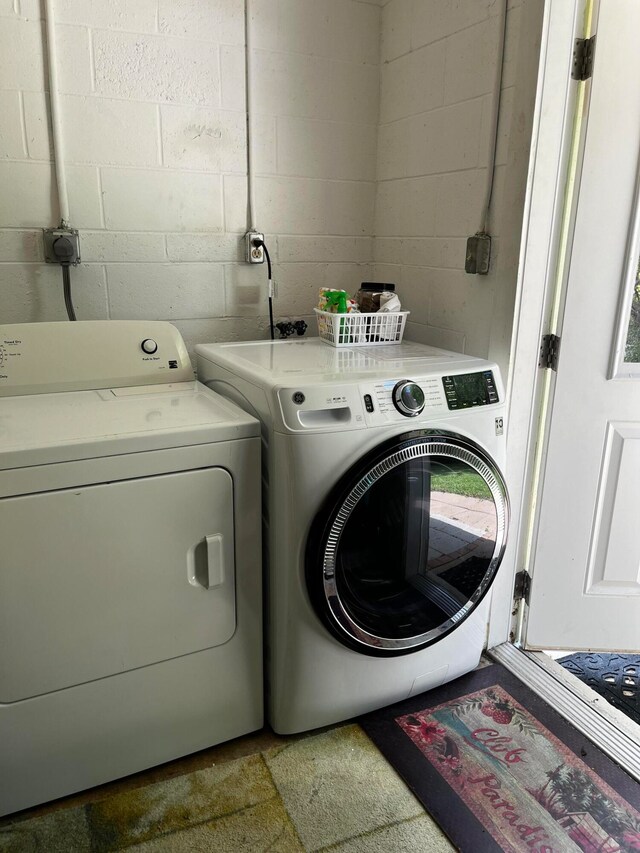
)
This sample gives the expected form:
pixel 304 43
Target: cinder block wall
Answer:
pixel 437 80
pixel 153 98
pixel 359 104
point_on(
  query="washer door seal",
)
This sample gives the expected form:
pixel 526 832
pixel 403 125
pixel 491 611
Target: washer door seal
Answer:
pixel 408 543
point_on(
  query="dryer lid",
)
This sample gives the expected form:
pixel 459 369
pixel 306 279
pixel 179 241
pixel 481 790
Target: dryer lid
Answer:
pixel 42 429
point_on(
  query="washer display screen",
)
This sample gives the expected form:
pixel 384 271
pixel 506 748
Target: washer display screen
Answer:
pixel 470 389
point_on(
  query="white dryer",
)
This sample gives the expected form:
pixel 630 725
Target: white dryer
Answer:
pixel 130 565
pixel 386 512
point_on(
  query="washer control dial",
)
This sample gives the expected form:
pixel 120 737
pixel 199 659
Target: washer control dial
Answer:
pixel 408 398
pixel 149 346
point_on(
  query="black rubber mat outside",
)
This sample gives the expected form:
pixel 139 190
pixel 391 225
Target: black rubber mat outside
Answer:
pixel 615 677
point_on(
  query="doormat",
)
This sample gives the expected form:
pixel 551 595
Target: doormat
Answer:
pixel 615 677
pixel 500 770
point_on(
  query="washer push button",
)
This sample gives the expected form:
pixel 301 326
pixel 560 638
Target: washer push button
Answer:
pixel 450 392
pixel 491 386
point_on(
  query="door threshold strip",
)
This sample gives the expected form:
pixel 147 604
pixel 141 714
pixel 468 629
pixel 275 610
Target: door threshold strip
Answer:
pixel 608 728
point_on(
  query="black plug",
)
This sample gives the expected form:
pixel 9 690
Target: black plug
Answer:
pixel 286 329
pixel 64 250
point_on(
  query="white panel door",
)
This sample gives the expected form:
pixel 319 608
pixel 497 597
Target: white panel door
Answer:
pixel 586 566
pixel 102 579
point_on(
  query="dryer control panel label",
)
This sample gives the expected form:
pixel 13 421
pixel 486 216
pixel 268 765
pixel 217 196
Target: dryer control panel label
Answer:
pixel 9 351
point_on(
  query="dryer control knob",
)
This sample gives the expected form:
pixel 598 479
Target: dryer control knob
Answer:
pixel 149 346
pixel 408 398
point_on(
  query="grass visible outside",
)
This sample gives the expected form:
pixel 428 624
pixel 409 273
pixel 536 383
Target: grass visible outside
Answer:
pixel 465 483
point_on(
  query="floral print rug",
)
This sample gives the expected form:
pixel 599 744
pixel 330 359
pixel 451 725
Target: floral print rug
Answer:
pixel 501 771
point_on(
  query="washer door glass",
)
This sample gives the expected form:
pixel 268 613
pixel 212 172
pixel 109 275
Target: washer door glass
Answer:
pixel 409 544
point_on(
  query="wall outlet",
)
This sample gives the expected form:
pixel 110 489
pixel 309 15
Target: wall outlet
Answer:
pixel 478 255
pixel 253 254
pixel 67 251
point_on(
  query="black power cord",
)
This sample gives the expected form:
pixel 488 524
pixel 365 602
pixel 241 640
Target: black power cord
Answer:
pixel 66 286
pixel 258 244
pixel 64 251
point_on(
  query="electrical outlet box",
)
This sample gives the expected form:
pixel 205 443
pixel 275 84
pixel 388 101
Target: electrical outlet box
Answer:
pixel 67 252
pixel 253 254
pixel 478 254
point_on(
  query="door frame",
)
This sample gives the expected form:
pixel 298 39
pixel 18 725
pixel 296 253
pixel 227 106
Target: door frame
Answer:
pixel 545 244
pixel 539 286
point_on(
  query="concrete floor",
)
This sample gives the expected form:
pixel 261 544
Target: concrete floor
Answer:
pixel 331 790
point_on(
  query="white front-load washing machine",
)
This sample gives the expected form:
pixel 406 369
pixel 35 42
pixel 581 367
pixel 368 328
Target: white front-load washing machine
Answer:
pixel 386 516
pixel 130 558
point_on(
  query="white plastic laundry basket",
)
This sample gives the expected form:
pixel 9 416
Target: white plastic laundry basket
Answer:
pixel 348 330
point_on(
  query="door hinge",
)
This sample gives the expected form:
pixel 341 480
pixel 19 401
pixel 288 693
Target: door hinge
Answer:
pixel 583 53
pixel 549 352
pixel 523 587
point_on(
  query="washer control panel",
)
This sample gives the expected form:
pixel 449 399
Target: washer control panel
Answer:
pixel 383 402
pixel 396 399
pixel 408 398
pixel 39 358
pixel 467 390
pixel 393 400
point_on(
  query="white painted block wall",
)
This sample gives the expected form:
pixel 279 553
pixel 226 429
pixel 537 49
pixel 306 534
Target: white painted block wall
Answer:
pixel 153 100
pixel 371 122
pixel 437 79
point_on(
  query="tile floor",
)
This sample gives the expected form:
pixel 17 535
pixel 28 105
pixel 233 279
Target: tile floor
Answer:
pixel 329 791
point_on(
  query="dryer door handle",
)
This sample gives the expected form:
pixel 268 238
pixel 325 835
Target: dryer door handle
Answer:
pixel 215 562
pixel 207 562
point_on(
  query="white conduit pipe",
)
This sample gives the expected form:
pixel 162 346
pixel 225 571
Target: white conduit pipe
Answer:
pixel 495 118
pixel 250 126
pixel 56 120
